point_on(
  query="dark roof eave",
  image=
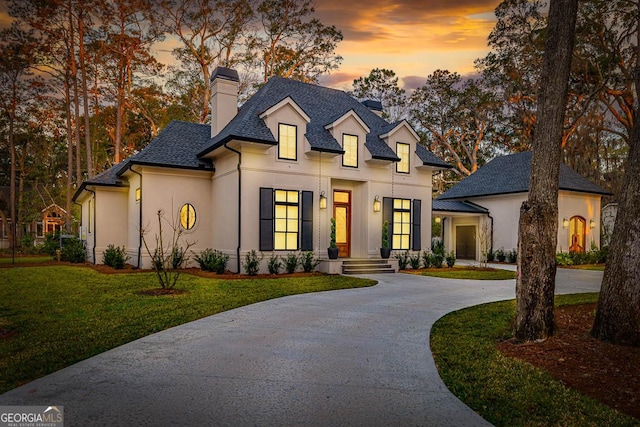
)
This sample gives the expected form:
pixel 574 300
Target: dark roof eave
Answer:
pixel 165 165
pixel 387 158
pixel 327 150
pixel 437 165
pixel 465 196
pixel 460 211
pixel 84 186
pixel 602 193
pixel 231 138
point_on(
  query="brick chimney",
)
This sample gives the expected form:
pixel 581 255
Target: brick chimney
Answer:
pixel 224 98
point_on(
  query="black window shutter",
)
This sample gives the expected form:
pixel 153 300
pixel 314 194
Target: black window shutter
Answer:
pixel 387 215
pixel 306 235
pixel 266 219
pixel 416 242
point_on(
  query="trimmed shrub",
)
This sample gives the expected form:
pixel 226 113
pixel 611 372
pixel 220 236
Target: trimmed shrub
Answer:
pixel 403 259
pixel 115 257
pixel 212 260
pixel 73 251
pixel 500 255
pixel 451 259
pixel 274 264
pixel 427 258
pixel 291 262
pixel 437 259
pixel 251 263
pixel 512 256
pixel 308 261
pixel 491 256
pixel 414 261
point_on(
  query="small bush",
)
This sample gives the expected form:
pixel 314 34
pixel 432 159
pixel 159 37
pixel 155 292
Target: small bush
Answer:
pixel 437 259
pixel 308 261
pixel 73 251
pixel 212 260
pixel 491 256
pixel 403 259
pixel 512 256
pixel 251 263
pixel 414 260
pixel 51 243
pixel 500 255
pixel 563 258
pixel 115 257
pixel 291 262
pixel 427 259
pixel 451 259
pixel 274 264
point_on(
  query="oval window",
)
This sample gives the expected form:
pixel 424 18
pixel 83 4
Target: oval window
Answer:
pixel 187 216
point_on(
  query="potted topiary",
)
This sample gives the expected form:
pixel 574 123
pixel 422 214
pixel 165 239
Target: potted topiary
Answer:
pixel 385 250
pixel 332 251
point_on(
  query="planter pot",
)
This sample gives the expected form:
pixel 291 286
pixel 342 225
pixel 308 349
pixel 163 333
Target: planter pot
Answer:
pixel 385 253
pixel 333 253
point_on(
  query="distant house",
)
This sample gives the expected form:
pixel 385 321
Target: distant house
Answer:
pixel 269 177
pixel 490 200
pixel 50 219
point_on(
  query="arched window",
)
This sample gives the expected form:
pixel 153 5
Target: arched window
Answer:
pixel 577 234
pixel 187 216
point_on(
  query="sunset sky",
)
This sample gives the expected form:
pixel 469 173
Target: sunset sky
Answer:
pixel 411 37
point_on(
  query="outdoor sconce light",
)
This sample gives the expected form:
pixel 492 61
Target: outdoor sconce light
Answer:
pixel 565 223
pixel 376 204
pixel 323 200
pixel 438 220
pixel 592 224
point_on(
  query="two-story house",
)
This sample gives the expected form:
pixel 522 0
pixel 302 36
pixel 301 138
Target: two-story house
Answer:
pixel 269 177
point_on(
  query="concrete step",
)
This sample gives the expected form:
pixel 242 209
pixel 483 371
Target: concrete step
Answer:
pixel 366 266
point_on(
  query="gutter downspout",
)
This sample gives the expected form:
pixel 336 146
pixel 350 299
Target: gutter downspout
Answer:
pixel 239 202
pixel 139 216
pixel 443 221
pixel 95 226
pixel 491 218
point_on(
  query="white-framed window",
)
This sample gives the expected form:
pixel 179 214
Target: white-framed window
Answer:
pixel 287 142
pixel 401 224
pixel 402 151
pixel 350 147
pixel 286 220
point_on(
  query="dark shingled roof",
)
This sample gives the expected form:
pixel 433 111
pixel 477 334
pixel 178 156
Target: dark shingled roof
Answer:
pixel 323 105
pixel 189 137
pixel 510 174
pixel 430 159
pixel 456 206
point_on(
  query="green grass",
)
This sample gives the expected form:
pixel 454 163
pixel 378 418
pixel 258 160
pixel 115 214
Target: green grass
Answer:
pixel 505 391
pixel 472 273
pixel 26 259
pixel 61 315
pixel 594 267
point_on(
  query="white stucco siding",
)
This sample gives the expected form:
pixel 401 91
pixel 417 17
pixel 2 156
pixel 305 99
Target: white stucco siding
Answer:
pixel 168 190
pixel 111 221
pixel 587 206
pixel 505 211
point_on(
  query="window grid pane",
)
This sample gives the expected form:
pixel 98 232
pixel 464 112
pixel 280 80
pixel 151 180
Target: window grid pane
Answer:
pixel 286 220
pixel 402 150
pixel 287 142
pixel 350 147
pixel 401 223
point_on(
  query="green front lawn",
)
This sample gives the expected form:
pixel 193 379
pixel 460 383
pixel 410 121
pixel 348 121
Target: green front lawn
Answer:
pixel 52 317
pixel 505 391
pixel 473 273
pixel 26 259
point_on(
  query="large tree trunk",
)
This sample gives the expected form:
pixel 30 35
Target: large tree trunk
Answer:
pixel 618 315
pixel 12 183
pixel 69 156
pixel 85 94
pixel 538 228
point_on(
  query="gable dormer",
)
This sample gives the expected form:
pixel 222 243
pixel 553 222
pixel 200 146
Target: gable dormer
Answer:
pixel 402 139
pixel 350 131
pixel 287 122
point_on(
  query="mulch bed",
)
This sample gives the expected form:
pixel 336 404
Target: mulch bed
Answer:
pixel 606 372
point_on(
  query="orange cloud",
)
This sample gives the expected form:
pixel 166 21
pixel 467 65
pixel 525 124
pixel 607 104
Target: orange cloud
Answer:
pixel 412 37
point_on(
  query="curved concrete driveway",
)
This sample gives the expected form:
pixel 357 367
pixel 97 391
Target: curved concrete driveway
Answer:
pixel 351 357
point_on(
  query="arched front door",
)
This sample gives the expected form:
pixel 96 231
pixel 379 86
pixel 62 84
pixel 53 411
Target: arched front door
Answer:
pixel 577 234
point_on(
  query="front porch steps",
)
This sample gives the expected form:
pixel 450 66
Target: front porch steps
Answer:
pixel 367 266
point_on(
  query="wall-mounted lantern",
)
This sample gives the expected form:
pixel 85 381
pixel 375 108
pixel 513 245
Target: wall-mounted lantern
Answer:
pixel 323 200
pixel 592 224
pixel 565 223
pixel 376 204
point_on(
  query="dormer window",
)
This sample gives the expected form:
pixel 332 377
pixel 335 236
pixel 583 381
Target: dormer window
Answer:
pixel 350 147
pixel 402 151
pixel 287 142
